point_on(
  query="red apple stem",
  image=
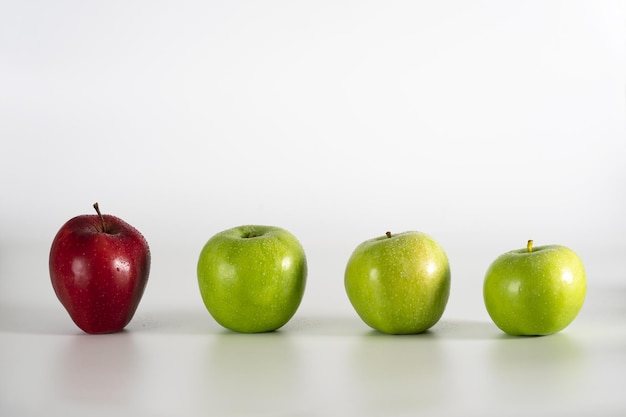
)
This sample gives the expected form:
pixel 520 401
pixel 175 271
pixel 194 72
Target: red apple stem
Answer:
pixel 388 234
pixel 97 207
pixel 529 245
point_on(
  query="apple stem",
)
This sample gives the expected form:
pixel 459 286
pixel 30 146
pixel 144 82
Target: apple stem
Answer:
pixel 388 234
pixel 97 207
pixel 529 245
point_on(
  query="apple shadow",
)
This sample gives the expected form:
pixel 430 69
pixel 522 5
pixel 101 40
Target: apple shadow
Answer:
pixel 36 320
pixel 331 326
pixel 199 322
pixel 186 321
pixel 393 373
pixel 443 330
pixel 351 326
pixel 552 367
pixel 465 330
pixel 174 321
pixel 47 320
pixel 271 363
pixel 100 371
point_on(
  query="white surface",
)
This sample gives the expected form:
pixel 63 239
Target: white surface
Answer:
pixel 483 124
pixel 173 359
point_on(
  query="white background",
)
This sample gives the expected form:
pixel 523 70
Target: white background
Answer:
pixel 484 124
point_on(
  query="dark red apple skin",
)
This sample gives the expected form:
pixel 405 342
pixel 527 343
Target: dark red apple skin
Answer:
pixel 99 275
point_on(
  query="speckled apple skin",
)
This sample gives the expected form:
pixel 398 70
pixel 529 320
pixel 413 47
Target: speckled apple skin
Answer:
pixel 399 284
pixel 535 293
pixel 252 278
pixel 98 276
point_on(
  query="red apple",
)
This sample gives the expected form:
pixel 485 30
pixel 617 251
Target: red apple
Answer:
pixel 99 267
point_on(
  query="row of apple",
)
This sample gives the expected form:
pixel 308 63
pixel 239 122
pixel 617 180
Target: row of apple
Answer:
pixel 252 279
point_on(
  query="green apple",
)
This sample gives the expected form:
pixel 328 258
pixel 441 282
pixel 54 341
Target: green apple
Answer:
pixel 252 278
pixel 535 291
pixel 399 284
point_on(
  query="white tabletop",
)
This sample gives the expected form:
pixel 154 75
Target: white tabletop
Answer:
pixel 173 359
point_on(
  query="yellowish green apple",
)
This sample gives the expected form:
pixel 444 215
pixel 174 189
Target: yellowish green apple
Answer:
pixel 399 283
pixel 252 278
pixel 535 291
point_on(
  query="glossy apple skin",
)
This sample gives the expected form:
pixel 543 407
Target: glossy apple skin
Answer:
pixel 399 284
pixel 99 276
pixel 252 278
pixel 535 293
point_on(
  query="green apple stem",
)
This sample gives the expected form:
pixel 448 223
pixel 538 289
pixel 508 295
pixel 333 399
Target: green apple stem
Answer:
pixel 529 245
pixel 388 234
pixel 97 207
